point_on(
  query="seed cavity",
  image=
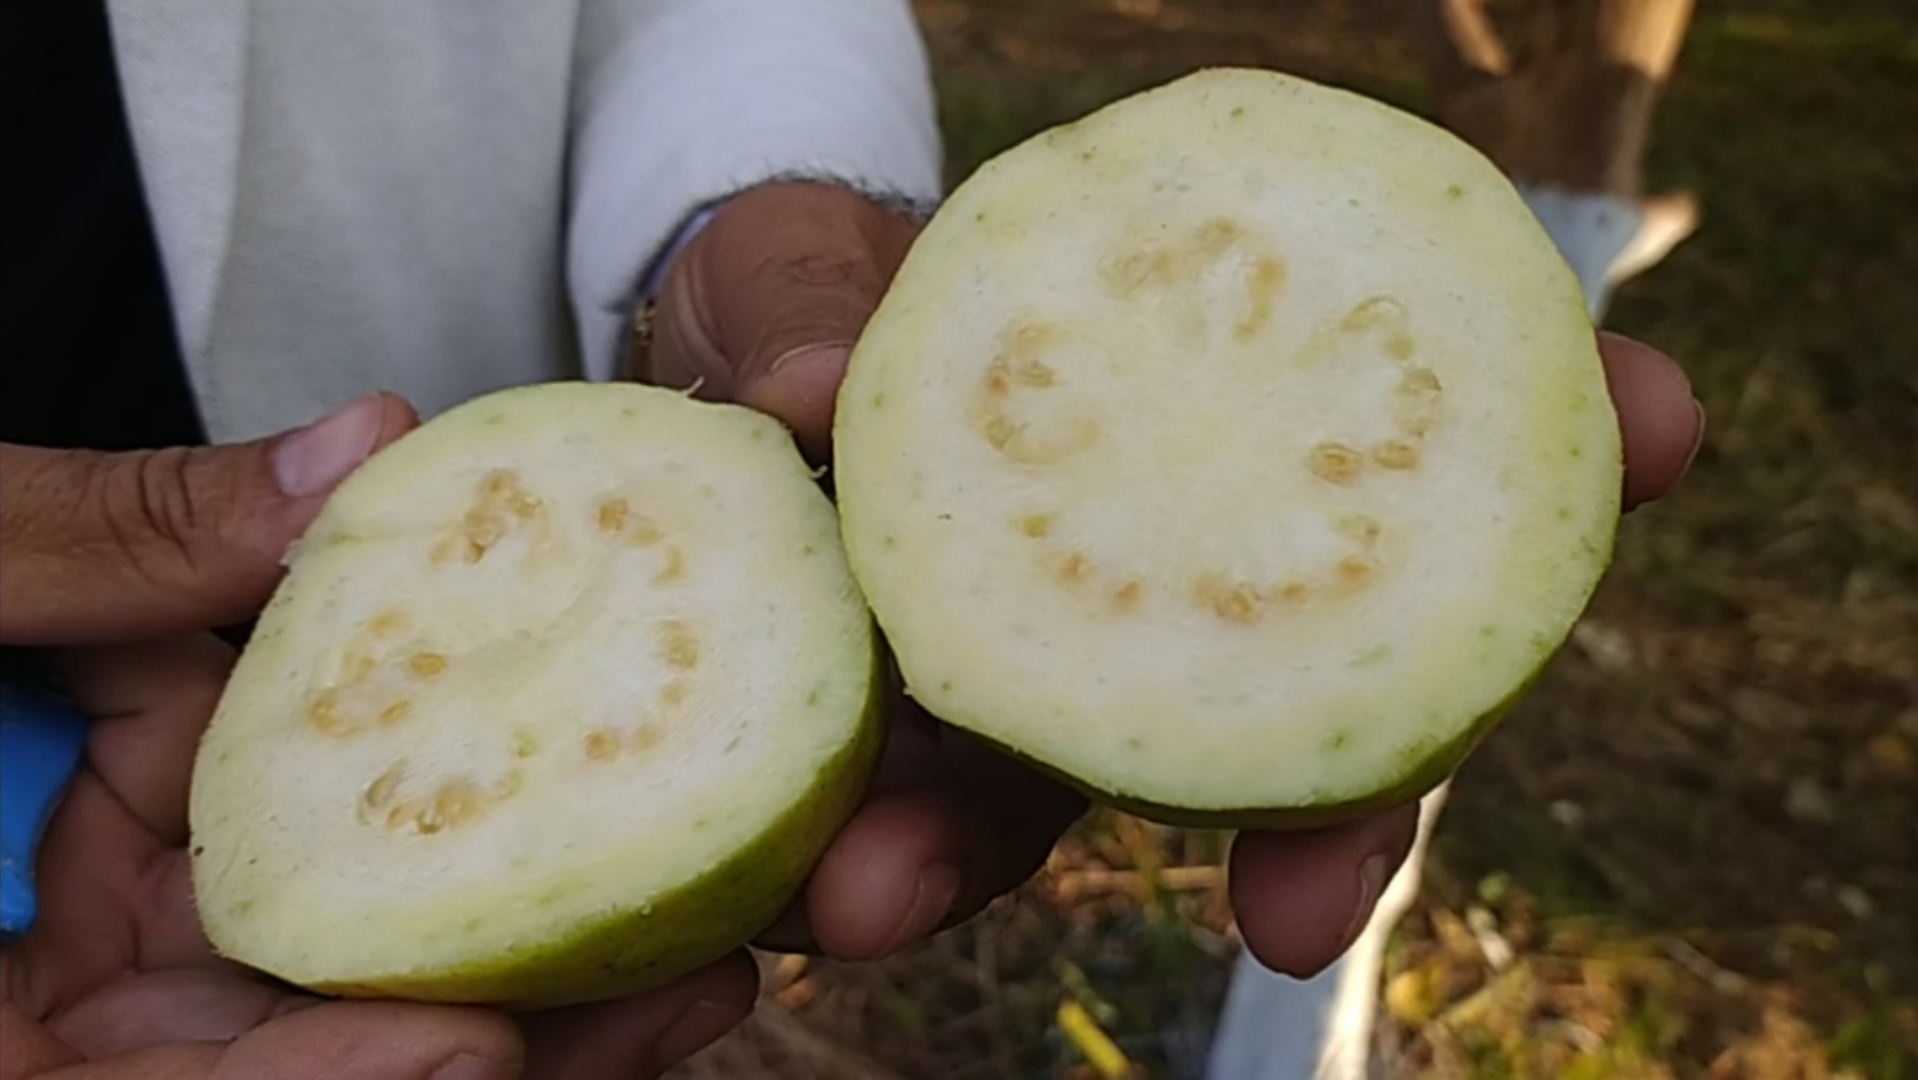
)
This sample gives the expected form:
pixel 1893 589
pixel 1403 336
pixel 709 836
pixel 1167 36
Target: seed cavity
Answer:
pixel 1359 527
pixel 396 713
pixel 1128 595
pixel 426 665
pixel 1357 569
pixel 1335 463
pixel 602 744
pixel 323 714
pixel 1233 601
pixel 1074 567
pixel 612 515
pixel 458 802
pixel 679 645
pixel 1036 526
pixel 1415 401
pixel 674 568
pixel 454 803
pixel 524 744
pixel 380 792
pixel 1262 287
pixel 503 504
pixel 1396 454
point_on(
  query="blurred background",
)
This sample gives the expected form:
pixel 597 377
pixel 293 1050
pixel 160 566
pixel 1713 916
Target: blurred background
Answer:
pixel 1694 850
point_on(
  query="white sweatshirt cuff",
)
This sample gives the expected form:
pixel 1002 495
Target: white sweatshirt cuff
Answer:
pixel 682 102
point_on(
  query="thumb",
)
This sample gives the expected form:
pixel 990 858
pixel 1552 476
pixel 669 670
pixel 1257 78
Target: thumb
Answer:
pixel 763 307
pixel 115 547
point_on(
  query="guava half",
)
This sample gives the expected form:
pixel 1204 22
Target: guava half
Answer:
pixel 562 696
pixel 1236 453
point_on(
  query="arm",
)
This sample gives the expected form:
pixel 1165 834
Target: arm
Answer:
pixel 678 103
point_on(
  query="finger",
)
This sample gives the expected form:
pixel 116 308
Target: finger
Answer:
pixel 128 546
pixel 1661 423
pixel 150 703
pixel 365 1040
pixel 643 1036
pixel 924 856
pixel 1302 898
pixel 763 308
pixel 154 1009
pixel 30 1049
pixel 112 900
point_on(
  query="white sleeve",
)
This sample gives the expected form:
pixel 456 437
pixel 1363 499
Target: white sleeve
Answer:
pixel 679 102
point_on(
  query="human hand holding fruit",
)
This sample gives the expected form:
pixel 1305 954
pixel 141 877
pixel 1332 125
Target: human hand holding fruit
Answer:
pixel 115 978
pixel 762 309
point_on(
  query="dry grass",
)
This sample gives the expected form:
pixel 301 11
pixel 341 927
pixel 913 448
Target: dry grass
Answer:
pixel 1691 854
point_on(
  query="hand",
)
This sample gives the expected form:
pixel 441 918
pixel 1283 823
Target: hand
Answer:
pixel 762 309
pixel 132 546
pixel 115 979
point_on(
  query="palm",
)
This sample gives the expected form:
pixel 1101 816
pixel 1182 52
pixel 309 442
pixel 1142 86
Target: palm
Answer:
pixel 117 979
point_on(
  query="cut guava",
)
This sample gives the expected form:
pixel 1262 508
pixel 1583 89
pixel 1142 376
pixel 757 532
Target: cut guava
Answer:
pixel 1236 453
pixel 562 696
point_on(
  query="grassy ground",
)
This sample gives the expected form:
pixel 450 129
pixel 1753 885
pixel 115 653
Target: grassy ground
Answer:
pixel 1692 853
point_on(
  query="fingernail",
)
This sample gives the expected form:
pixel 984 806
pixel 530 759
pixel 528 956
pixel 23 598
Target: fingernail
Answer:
pixel 313 459
pixel 1372 874
pixel 699 1026
pixel 474 1067
pixel 932 901
pixel 820 354
pixel 809 372
pixel 1698 440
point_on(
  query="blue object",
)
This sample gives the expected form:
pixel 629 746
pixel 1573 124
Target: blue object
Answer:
pixel 42 738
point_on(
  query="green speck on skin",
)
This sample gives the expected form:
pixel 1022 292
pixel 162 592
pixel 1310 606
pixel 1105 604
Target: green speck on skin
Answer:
pixel 1086 155
pixel 880 398
pixel 471 926
pixel 1135 744
pixel 1542 643
pixel 1373 655
pixel 1488 631
pixel 1238 111
pixel 1578 451
pixel 1455 192
pixel 627 412
pixel 1338 740
pixel 700 824
pixel 758 434
pixel 946 685
pixel 890 541
pixel 813 698
pixel 732 744
pixel 980 216
pixel 1564 513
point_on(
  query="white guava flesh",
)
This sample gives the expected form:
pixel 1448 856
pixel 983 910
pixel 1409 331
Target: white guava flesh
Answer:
pixel 562 696
pixel 1237 453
